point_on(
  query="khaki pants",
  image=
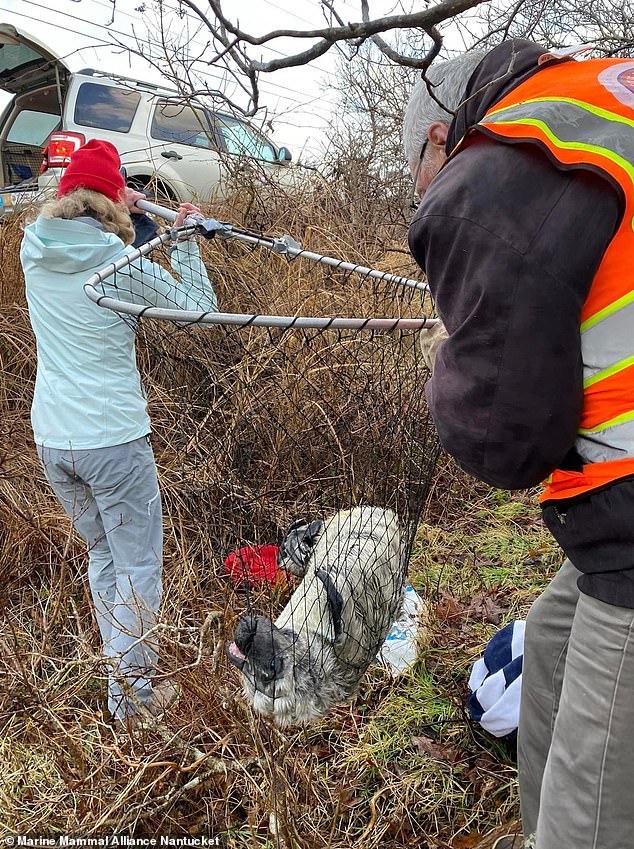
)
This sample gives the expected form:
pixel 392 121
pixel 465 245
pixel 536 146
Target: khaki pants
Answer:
pixel 112 497
pixel 576 735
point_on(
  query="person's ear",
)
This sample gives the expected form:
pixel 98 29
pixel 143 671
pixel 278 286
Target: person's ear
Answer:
pixel 437 133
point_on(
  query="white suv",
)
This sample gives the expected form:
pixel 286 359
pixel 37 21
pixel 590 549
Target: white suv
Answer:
pixel 180 148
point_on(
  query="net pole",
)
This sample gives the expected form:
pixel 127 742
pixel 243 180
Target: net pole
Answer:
pixel 155 209
pixel 281 246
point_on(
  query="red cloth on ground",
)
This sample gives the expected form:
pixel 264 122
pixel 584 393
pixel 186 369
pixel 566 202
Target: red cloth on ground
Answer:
pixel 255 565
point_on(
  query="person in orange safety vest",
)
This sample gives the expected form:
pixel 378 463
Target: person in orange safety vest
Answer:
pixel 526 234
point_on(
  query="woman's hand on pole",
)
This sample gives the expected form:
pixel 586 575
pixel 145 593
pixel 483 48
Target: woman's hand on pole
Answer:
pixel 131 196
pixel 184 210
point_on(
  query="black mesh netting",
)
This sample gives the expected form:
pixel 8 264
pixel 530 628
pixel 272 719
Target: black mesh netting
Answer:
pixel 302 455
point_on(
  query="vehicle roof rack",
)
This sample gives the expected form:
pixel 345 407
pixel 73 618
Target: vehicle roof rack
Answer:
pixel 92 72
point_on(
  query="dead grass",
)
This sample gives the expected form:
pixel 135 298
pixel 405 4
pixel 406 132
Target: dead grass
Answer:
pixel 401 765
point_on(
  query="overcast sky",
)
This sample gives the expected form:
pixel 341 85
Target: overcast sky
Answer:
pixel 299 99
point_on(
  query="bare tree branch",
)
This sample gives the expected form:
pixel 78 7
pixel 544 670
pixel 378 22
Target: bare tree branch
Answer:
pixel 329 5
pixel 607 24
pixel 400 58
pixel 331 35
pixel 228 44
pixel 410 61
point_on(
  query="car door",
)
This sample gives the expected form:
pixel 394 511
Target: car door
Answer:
pixel 37 77
pixel 26 63
pixel 185 145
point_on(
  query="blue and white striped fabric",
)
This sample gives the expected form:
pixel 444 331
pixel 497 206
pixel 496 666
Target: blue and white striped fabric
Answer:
pixel 496 681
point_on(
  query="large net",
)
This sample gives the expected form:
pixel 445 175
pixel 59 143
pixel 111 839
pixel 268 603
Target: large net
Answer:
pixel 301 443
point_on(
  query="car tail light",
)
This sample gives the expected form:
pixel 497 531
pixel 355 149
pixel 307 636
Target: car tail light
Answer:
pixel 60 147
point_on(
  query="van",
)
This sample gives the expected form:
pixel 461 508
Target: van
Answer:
pixel 178 148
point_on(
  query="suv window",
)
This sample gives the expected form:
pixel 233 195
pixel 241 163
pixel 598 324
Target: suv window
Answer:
pixel 17 57
pixel 106 107
pixel 244 140
pixel 32 127
pixel 177 122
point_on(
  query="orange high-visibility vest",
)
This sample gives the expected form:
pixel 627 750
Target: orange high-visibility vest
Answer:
pixel 583 114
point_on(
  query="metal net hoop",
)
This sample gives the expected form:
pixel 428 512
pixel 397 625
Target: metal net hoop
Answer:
pixel 280 394
pixel 265 421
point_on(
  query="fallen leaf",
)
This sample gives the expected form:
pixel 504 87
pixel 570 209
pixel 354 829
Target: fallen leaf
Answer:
pixel 438 751
pixel 480 772
pixel 467 841
pixel 448 608
pixel 485 609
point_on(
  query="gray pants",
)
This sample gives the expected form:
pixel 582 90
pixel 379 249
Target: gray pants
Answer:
pixel 576 735
pixel 112 497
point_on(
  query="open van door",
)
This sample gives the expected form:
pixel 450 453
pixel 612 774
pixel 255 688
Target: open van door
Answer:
pixel 37 77
pixel 26 63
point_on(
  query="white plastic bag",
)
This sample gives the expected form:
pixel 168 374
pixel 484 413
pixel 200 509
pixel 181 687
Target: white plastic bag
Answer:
pixel 400 649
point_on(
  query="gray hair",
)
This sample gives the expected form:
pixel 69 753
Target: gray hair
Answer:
pixel 449 81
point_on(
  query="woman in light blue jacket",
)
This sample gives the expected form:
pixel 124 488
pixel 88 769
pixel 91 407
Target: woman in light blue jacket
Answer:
pixel 89 413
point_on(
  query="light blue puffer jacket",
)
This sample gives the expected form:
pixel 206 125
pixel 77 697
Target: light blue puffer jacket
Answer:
pixel 88 391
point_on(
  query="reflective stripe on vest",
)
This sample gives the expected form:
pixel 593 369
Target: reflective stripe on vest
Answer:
pixel 569 123
pixel 569 109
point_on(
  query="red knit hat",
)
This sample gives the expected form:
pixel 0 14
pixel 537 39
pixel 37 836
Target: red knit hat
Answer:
pixel 94 166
